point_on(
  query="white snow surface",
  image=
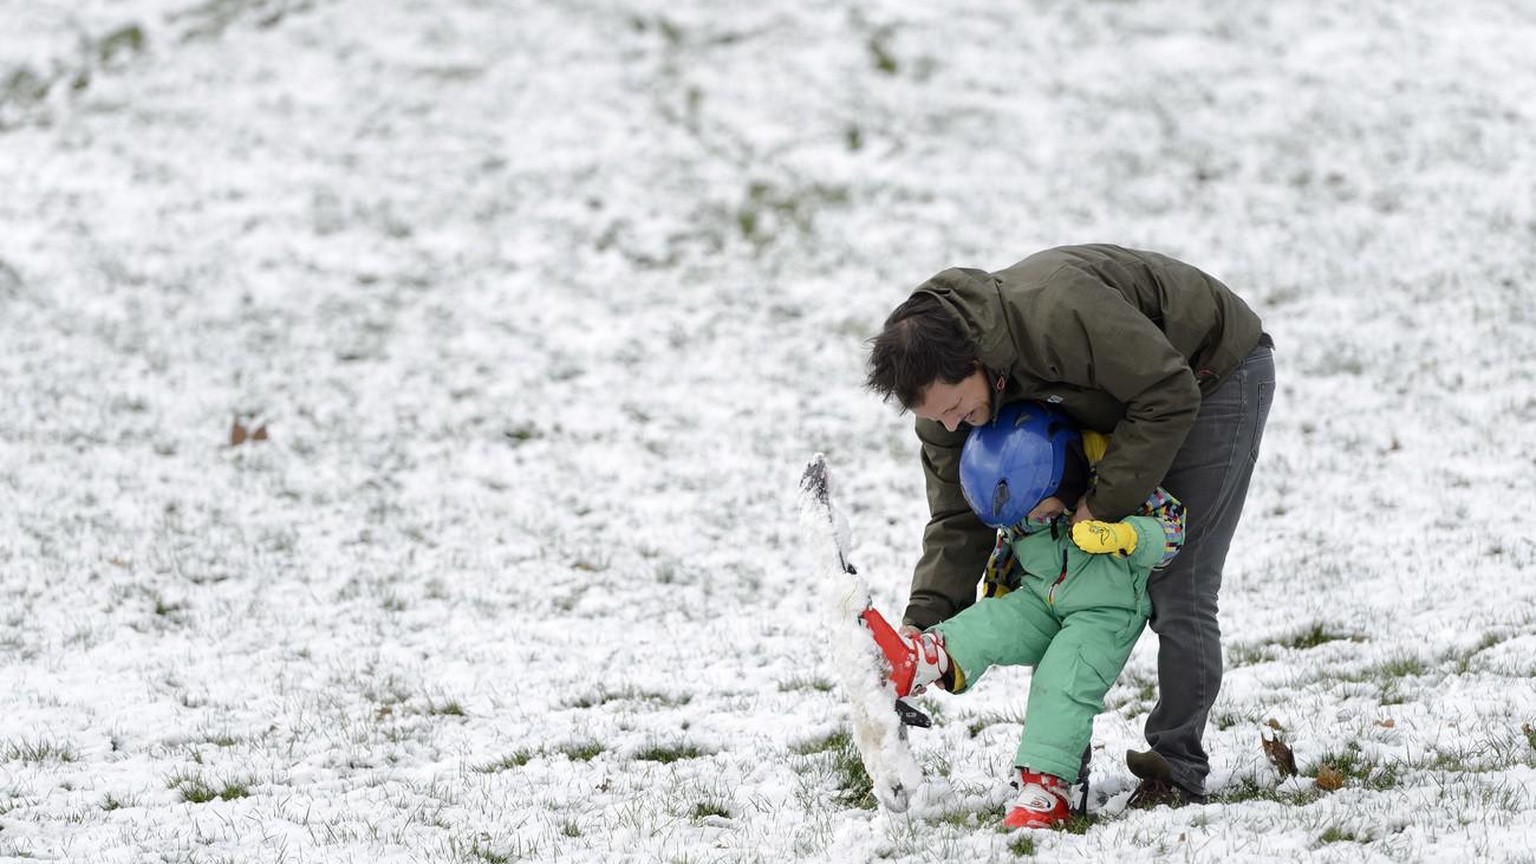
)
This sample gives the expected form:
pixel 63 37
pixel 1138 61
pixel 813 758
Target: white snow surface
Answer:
pixel 543 306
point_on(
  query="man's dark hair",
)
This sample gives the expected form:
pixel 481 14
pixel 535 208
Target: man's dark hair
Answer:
pixel 921 343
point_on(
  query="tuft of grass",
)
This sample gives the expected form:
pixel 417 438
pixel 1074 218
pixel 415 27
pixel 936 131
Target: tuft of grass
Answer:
pixel 880 52
pixel 478 851
pixel 630 694
pixel 712 807
pixel 522 433
pixel 1225 720
pixel 1335 834
pixel 858 788
pixel 1356 769
pixel 1253 789
pixel 1530 734
pixel 1318 634
pixel 818 745
pixel 816 684
pixel 840 756
pixel 1079 823
pixel 451 708
pixel 1249 655
pixel 111 802
pixel 196 789
pixel 507 763
pixel 41 750
pixel 1402 666
pixel 666 754
pixel 1022 846
pixel 580 751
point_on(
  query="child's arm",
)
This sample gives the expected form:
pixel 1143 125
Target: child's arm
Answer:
pixel 1157 529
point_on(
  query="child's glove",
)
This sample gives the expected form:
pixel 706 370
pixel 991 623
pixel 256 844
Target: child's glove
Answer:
pixel 1101 537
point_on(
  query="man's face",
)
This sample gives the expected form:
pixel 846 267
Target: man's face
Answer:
pixel 968 402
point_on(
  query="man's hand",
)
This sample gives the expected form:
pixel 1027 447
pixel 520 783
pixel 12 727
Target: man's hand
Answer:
pixel 1101 537
pixel 1082 514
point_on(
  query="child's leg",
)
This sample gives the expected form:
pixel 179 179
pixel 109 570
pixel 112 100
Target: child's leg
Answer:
pixel 1012 630
pixel 1068 688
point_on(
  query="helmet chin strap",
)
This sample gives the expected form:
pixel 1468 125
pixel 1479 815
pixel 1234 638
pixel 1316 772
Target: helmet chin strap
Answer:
pixel 1074 475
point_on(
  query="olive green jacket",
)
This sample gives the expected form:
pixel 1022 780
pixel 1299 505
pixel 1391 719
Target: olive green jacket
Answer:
pixel 1127 342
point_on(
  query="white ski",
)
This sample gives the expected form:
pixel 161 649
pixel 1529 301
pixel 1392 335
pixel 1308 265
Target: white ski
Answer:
pixel 878 730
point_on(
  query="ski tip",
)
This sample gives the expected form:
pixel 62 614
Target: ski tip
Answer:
pixel 814 480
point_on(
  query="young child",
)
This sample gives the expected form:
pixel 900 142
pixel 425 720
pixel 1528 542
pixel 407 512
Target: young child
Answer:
pixel 1069 600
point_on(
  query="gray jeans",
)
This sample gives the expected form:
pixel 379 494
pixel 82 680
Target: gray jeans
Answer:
pixel 1210 475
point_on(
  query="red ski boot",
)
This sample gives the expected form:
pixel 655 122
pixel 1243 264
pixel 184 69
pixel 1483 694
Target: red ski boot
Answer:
pixel 916 661
pixel 1042 801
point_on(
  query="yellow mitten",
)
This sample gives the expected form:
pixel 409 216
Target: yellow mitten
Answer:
pixel 1101 537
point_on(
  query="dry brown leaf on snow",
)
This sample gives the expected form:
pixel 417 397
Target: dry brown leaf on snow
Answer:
pixel 1279 753
pixel 239 434
pixel 1329 778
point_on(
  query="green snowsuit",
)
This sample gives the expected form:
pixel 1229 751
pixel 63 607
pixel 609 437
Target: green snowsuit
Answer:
pixel 1075 617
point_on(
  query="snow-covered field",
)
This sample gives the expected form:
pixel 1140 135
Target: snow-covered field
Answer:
pixel 543 307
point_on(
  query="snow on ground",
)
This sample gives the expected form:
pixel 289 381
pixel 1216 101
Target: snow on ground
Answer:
pixel 544 306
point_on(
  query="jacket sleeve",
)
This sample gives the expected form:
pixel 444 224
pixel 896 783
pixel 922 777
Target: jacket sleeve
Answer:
pixel 1159 524
pixel 1093 337
pixel 956 543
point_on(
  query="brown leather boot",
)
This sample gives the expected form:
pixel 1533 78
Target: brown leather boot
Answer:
pixel 1157 787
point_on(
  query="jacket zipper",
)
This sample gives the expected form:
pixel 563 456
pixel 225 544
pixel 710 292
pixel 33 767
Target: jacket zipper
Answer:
pixel 1050 596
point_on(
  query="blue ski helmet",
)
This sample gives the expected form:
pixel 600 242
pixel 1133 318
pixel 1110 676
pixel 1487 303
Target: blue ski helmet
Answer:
pixel 1016 461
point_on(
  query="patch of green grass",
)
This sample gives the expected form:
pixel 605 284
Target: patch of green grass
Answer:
pixel 813 684
pixel 1249 655
pixel 1313 636
pixel 451 708
pixel 1229 719
pixel 959 819
pixel 981 722
pixel 819 745
pixel 478 851
pixel 712 807
pixel 196 789
pixel 858 788
pixel 1461 661
pixel 41 750
pixel 880 52
pixel 769 211
pixel 848 773
pixel 580 751
pixel 1134 694
pixel 1335 834
pixel 666 754
pixel 1079 823
pixel 1022 846
pixel 630 694
pixel 507 763
pixel 522 433
pixel 1358 770
pixel 1530 734
pixel 1401 666
pixel 1251 788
